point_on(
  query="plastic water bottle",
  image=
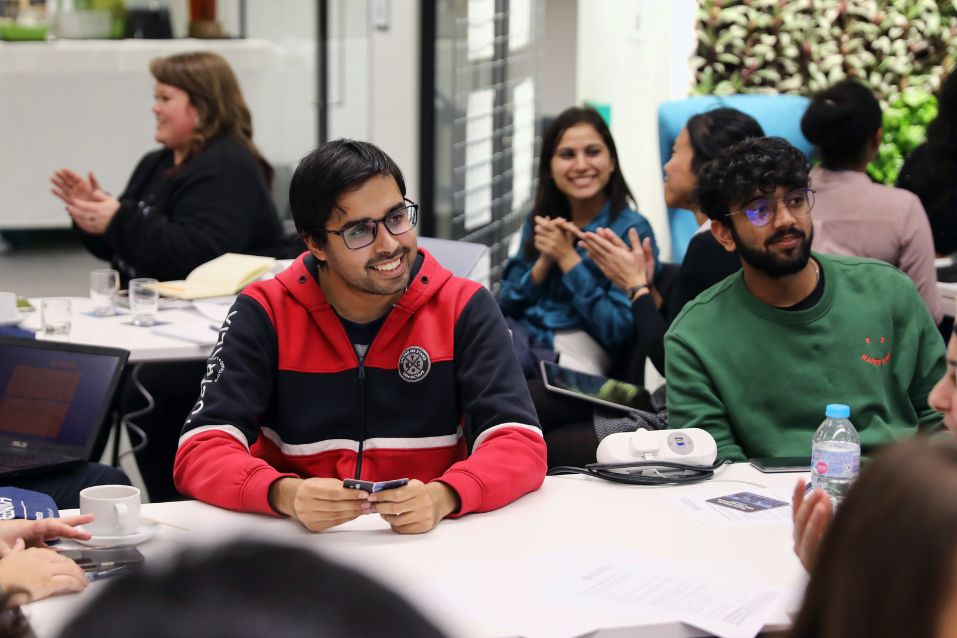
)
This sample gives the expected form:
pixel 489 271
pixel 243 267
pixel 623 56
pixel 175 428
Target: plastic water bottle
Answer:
pixel 835 453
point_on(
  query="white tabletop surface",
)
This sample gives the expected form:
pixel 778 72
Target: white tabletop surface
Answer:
pixel 146 346
pixel 119 332
pixel 566 512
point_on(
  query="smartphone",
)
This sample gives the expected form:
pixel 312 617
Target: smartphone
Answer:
pixel 782 464
pixel 104 559
pixel 372 487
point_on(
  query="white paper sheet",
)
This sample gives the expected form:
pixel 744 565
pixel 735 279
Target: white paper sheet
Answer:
pixel 215 308
pixel 478 158
pixel 729 601
pixel 203 334
pixel 575 590
pixel 713 515
pixel 523 142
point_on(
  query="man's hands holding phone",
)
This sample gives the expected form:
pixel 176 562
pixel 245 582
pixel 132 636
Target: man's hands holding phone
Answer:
pixel 321 503
pixel 417 507
pixel 318 503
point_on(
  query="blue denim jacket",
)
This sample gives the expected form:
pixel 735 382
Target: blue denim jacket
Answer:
pixel 580 299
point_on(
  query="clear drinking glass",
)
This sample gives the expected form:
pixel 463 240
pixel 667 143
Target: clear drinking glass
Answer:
pixel 144 301
pixel 55 316
pixel 104 282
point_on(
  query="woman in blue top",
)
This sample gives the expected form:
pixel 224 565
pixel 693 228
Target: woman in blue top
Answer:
pixel 551 288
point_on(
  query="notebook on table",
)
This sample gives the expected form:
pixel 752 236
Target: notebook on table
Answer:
pixel 54 397
pixel 225 275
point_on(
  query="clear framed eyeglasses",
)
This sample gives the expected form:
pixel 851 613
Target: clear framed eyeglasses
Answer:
pixel 360 234
pixel 760 211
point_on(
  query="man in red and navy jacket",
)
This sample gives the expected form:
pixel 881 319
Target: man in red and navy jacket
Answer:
pixel 365 359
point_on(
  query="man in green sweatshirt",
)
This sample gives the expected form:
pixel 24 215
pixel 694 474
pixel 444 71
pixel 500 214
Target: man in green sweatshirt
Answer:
pixel 754 359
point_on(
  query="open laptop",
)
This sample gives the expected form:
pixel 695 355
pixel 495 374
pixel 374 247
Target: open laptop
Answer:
pixel 53 400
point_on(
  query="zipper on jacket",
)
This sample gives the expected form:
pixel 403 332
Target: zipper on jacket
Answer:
pixel 362 413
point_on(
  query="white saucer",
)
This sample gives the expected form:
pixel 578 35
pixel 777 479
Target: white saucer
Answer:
pixel 143 533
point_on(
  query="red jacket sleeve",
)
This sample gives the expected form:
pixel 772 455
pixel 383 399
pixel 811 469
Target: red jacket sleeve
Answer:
pixel 508 454
pixel 213 462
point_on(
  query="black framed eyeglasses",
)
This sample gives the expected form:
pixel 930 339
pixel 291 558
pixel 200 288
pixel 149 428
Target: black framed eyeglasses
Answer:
pixel 760 211
pixel 397 221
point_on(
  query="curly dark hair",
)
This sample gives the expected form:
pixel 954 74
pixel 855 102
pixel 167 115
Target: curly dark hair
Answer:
pixel 749 169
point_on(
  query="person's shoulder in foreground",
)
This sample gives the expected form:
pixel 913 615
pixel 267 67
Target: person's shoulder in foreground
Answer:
pixel 898 518
pixel 365 359
pixel 755 358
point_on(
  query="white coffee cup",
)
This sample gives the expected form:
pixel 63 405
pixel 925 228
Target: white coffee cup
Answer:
pixel 115 509
pixel 8 307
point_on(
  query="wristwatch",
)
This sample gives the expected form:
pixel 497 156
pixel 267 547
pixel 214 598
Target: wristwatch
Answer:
pixel 634 290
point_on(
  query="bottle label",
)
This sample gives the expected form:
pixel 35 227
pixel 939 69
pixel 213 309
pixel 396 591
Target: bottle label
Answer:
pixel 836 464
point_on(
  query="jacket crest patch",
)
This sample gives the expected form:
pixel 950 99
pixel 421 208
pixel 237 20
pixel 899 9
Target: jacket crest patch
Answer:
pixel 414 364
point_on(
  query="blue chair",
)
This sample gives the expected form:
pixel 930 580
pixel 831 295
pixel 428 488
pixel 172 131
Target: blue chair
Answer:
pixel 778 115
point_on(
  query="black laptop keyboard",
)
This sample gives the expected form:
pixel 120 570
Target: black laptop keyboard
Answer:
pixel 15 460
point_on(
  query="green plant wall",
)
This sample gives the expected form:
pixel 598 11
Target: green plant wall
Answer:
pixel 899 48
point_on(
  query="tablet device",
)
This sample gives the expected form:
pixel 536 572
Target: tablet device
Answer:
pixel 99 558
pixel 782 464
pixel 609 393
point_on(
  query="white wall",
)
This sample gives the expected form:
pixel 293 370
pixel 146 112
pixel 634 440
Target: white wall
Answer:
pixel 633 55
pixel 349 85
pixel 374 78
pixel 394 87
pixel 559 50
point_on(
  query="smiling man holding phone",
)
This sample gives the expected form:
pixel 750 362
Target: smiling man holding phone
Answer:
pixel 365 360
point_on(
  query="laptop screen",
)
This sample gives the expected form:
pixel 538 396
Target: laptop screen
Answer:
pixel 56 394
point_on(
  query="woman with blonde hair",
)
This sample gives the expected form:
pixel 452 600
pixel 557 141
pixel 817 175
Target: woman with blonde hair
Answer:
pixel 204 193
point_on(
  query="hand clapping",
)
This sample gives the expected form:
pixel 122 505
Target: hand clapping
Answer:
pixel 624 266
pixel 87 204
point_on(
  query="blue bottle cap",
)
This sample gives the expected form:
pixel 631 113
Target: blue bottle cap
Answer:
pixel 837 411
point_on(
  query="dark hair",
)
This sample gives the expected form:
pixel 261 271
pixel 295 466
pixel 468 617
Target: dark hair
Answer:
pixel 551 201
pixel 214 91
pixel 248 589
pixel 715 130
pixel 840 121
pixel 13 624
pixel 757 166
pixel 933 173
pixel 897 524
pixel 329 171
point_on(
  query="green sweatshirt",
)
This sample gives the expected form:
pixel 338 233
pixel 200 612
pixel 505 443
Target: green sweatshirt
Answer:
pixel 757 377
